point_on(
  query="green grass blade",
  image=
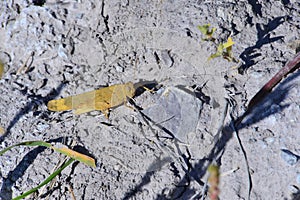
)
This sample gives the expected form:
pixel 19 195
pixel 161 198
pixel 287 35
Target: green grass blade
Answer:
pixel 28 143
pixel 63 150
pixel 46 181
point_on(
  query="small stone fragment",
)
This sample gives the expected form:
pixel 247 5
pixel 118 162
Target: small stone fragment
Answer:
pixel 298 178
pixel 167 58
pixel 62 52
pixel 289 157
pixel 119 68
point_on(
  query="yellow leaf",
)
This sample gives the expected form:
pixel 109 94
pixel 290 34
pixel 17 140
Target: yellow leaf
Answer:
pixel 2 131
pixel 1 69
pixel 228 44
pixel 225 50
pixel 227 54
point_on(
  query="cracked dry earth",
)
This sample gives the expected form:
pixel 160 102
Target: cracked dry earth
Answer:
pixel 53 49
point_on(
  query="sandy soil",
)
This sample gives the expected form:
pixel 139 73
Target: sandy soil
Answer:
pixel 65 48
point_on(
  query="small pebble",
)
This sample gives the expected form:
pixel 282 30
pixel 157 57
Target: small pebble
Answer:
pixel 293 189
pixel 117 167
pixel 119 68
pixel 298 179
pixel 289 157
pixel 269 140
pixel 167 58
pixel 62 52
pixel 42 127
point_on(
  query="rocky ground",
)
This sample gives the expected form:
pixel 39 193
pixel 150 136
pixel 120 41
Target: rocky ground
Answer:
pixel 53 49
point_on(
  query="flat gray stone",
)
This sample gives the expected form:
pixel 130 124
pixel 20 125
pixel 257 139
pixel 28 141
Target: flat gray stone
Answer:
pixel 177 110
pixel 289 157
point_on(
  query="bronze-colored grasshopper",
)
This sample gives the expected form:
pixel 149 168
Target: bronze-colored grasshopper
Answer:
pixel 102 99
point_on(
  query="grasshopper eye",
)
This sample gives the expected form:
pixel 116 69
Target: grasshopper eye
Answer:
pixel 128 88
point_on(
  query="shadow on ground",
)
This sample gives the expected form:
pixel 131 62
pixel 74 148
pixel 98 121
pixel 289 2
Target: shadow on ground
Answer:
pixel 28 159
pixel 197 172
pixel 29 106
pixel 20 169
pixel 249 55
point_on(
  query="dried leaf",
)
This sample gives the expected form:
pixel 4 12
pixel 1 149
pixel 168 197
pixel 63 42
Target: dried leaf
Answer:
pixel 77 156
pixel 213 180
pixel 2 131
pixel 1 69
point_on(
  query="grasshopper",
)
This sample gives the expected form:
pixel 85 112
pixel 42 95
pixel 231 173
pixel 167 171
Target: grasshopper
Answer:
pixel 102 99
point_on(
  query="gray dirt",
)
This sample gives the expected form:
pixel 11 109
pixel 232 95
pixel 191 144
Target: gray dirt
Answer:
pixel 63 48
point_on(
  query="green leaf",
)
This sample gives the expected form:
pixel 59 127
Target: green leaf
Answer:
pixel 64 150
pixel 225 50
pixel 218 53
pixel 30 143
pixel 205 30
pixel 46 181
